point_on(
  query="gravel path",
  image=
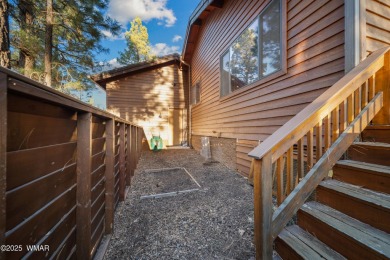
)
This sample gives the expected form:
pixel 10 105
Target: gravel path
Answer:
pixel 213 222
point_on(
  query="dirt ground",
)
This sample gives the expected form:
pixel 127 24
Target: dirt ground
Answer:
pixel 213 221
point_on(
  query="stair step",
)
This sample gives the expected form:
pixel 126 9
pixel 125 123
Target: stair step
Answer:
pixel 376 153
pixel 295 243
pixel 367 175
pixel 377 133
pixel 365 205
pixel 348 236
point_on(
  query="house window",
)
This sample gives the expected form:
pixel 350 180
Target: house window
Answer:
pixel 255 54
pixel 195 94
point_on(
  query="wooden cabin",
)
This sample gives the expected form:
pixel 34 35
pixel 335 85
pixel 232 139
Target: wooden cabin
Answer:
pixel 304 88
pixel 295 94
pixel 153 95
pixel 299 49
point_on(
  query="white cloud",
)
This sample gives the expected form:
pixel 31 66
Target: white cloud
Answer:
pixel 114 63
pixel 177 38
pixel 161 49
pixel 126 10
pixel 112 37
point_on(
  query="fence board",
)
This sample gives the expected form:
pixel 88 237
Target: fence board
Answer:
pixel 44 189
pixel 39 162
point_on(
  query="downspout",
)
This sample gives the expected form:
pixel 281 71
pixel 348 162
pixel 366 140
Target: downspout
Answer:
pixel 189 126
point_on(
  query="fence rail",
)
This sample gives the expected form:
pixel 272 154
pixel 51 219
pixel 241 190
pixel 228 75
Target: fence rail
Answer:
pixel 64 166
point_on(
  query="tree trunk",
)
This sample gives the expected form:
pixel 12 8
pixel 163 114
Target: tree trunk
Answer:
pixel 5 54
pixel 26 60
pixel 48 42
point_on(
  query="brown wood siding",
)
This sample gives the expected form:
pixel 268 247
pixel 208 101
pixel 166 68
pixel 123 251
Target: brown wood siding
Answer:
pixel 315 61
pixel 377 24
pixel 145 98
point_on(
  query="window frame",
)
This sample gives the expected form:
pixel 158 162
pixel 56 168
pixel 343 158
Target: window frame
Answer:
pixel 194 88
pixel 283 54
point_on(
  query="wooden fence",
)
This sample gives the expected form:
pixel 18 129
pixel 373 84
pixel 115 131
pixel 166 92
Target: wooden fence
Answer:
pixel 64 166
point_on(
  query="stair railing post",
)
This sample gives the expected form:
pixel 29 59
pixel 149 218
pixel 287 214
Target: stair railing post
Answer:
pixel 262 182
pixel 110 176
pixel 383 84
pixel 3 158
pixel 84 164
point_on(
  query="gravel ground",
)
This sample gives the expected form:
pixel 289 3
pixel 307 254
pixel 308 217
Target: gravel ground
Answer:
pixel 215 222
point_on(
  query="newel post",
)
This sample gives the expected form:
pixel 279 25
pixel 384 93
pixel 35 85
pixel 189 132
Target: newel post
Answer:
pixel 84 163
pixel 3 157
pixel 110 176
pixel 383 84
pixel 262 183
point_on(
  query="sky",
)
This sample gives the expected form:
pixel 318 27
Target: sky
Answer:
pixel 166 21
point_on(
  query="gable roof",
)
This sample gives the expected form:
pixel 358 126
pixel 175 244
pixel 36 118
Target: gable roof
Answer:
pixel 110 75
pixel 201 12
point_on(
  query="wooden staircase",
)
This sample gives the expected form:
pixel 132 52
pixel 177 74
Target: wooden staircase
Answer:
pixel 350 215
pixel 350 218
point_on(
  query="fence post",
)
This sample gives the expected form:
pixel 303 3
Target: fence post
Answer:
pixel 128 156
pixel 122 163
pixel 133 149
pixel 262 182
pixel 3 158
pixel 84 154
pixel 110 176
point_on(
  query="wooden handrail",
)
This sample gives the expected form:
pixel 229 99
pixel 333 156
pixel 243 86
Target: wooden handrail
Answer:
pixel 299 125
pixel 326 127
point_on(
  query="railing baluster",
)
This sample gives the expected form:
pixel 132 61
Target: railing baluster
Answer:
pixel 365 94
pixel 84 164
pixel 310 153
pixel 319 140
pixel 110 176
pixel 280 194
pixel 371 87
pixel 301 159
pixel 343 116
pixel 290 170
pixel 335 124
pixel 358 101
pixel 351 107
pixel 327 132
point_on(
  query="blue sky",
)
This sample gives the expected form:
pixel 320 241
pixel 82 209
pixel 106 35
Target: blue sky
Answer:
pixel 166 21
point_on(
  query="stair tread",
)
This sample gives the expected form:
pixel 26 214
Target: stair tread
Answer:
pixel 363 194
pixel 364 166
pixel 364 234
pixel 376 144
pixel 306 245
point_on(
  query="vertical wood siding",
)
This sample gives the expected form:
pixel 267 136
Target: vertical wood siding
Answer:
pixel 315 61
pixel 377 24
pixel 146 98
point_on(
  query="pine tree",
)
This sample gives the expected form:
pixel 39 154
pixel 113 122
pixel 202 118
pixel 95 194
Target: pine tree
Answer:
pixel 5 55
pixel 138 46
